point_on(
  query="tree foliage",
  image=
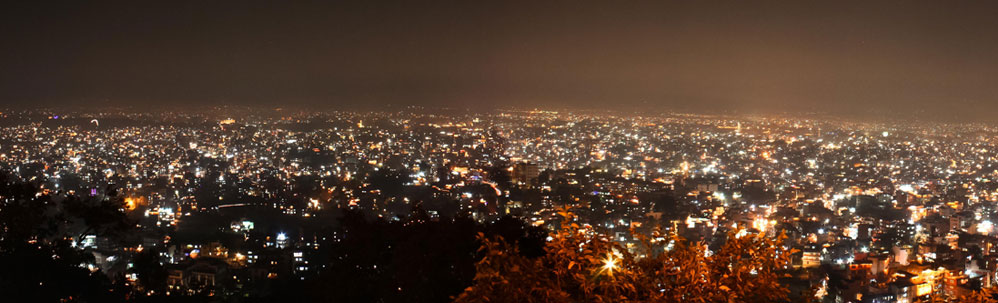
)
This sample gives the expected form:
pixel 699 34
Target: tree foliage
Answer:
pixel 987 295
pixel 38 233
pixel 582 266
pixel 417 259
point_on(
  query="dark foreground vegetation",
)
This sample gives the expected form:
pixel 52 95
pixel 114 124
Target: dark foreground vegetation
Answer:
pixel 415 259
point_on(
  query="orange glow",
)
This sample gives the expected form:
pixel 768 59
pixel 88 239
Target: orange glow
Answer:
pixel 609 264
pixel 923 289
pixel 133 202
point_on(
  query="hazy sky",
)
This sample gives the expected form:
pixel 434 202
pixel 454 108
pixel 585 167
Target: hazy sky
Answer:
pixel 840 56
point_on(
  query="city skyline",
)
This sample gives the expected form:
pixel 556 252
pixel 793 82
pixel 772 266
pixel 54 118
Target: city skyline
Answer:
pixel 235 204
pixel 225 151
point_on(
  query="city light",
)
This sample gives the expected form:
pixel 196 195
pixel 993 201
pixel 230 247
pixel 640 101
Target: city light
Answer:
pixel 499 151
pixel 610 263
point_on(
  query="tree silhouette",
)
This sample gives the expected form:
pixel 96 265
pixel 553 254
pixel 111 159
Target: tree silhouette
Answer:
pixel 417 259
pixel 38 235
pixel 151 273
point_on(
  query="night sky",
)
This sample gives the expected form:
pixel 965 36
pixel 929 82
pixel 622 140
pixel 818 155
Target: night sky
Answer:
pixel 936 57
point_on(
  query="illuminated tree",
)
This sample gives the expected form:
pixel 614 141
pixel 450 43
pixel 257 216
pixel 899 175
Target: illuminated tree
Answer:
pixel 583 266
pixel 577 266
pixel 986 295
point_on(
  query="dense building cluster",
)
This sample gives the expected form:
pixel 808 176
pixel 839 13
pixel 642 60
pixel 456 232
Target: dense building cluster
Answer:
pixel 876 212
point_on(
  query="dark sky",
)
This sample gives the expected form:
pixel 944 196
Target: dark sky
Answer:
pixel 840 56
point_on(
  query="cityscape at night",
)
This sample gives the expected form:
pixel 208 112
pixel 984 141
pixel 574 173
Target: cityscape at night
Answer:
pixel 538 151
